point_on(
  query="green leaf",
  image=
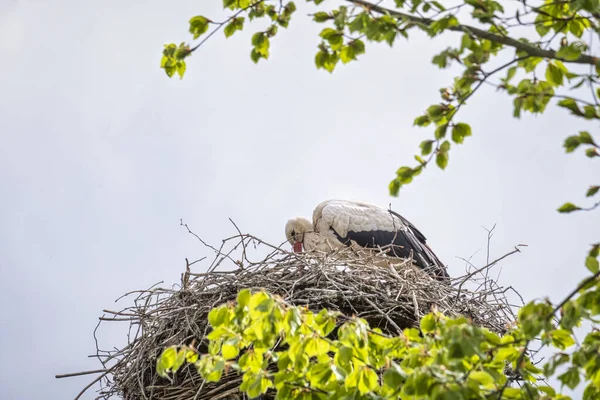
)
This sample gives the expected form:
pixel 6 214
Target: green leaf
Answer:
pixel 347 54
pixel 508 353
pixel 229 351
pixel 426 147
pixel 570 52
pixel 405 174
pixel 555 361
pixel 589 112
pixel 290 8
pixel 511 73
pixel 428 323
pixel 592 191
pixel 180 68
pixel 441 60
pixel 541 29
pixel 320 59
pixel 592 264
pixel 576 28
pixel 394 187
pixel 326 60
pixel 442 24
pixel 198 26
pixel 571 143
pixel 422 120
pixel 483 378
pixel 191 356
pixel 570 378
pixel 321 16
pixel 261 44
pixel 460 131
pixel 218 316
pixel 255 56
pixel 166 361
pixel 243 297
pixel 571 315
pixel 568 207
pixel 440 131
pixel 554 75
pixel 585 137
pixel 334 37
pixel 179 360
pixel 591 152
pixel 358 46
pixel 392 378
pixel 441 159
pixel 436 112
pixel 367 380
pixel 315 346
pixel 595 250
pixel 236 24
pixel 562 338
pixel 570 104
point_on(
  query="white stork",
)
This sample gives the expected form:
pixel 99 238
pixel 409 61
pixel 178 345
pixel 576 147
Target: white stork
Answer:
pixel 338 223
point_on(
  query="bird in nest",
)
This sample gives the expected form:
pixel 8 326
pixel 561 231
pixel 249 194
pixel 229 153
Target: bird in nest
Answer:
pixel 363 226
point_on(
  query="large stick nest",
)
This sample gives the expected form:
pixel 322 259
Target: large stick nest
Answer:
pixel 389 297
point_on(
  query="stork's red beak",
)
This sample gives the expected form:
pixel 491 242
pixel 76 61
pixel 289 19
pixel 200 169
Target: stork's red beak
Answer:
pixel 297 247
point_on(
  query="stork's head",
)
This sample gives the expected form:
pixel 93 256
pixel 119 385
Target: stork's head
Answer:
pixel 295 232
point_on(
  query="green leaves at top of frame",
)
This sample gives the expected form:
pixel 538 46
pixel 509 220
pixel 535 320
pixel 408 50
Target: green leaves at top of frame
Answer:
pixel 199 25
pixel 531 95
pixel 334 37
pixel 568 207
pixel 571 143
pixel 440 25
pixel 460 131
pixel 441 158
pixel 173 59
pixel 326 59
pixel 485 10
pixel 352 50
pixel 261 44
pixel 592 191
pixel 239 4
pixel 564 17
pixel 236 24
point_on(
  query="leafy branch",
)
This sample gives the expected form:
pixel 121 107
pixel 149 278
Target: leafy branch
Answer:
pixel 480 33
pixel 344 40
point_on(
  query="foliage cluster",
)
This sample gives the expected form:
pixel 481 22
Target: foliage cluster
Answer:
pixel 326 355
pixel 557 33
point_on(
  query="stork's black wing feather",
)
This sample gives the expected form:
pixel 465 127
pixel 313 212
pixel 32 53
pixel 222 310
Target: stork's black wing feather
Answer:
pixel 402 242
pixel 433 261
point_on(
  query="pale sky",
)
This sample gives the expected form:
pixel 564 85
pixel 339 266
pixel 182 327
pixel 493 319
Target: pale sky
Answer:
pixel 102 155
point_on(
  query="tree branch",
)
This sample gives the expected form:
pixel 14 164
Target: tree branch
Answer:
pixel 480 33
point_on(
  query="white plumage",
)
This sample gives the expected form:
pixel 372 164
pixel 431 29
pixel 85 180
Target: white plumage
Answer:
pixel 339 223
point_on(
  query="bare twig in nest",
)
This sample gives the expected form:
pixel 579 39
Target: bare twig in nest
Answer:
pixel 391 297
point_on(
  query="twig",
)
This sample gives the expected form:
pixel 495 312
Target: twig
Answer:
pixel 505 40
pixel 96 371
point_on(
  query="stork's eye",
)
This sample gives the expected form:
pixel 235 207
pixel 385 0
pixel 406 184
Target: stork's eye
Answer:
pixel 293 234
